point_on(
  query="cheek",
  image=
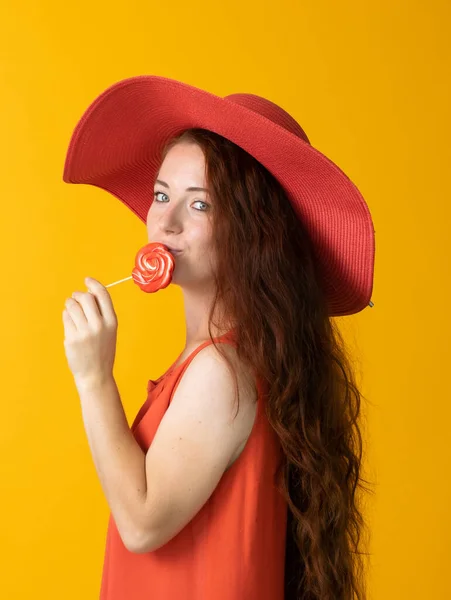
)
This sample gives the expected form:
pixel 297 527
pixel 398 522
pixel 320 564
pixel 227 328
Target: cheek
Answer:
pixel 206 248
pixel 149 218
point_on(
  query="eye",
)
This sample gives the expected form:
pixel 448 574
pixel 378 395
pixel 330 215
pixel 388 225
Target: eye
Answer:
pixel 156 194
pixel 207 206
pixel 204 203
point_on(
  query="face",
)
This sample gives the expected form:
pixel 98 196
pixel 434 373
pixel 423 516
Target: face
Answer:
pixel 180 217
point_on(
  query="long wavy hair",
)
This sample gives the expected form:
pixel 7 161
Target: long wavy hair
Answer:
pixel 267 282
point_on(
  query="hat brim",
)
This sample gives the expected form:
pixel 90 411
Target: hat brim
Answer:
pixel 117 146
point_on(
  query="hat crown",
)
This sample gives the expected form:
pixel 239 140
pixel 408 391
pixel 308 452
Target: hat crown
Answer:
pixel 271 111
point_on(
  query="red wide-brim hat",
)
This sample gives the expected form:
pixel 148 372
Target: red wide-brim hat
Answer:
pixel 117 146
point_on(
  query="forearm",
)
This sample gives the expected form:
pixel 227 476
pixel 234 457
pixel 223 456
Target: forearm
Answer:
pixel 118 458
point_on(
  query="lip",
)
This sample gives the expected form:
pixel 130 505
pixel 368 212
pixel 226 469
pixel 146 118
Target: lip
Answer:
pixel 171 249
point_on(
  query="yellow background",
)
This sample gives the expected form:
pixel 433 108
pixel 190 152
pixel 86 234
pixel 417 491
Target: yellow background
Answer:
pixel 370 84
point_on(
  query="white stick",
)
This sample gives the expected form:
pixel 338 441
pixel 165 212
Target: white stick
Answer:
pixel 120 281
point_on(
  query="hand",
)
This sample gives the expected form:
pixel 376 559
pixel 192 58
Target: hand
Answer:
pixel 90 328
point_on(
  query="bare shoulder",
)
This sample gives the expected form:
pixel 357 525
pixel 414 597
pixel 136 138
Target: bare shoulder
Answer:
pixel 209 370
pixel 199 437
pixel 210 367
pixel 211 354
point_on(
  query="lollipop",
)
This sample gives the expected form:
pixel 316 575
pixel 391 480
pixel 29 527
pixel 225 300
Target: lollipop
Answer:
pixel 154 265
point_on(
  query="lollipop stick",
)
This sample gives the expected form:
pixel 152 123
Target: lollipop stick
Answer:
pixel 120 281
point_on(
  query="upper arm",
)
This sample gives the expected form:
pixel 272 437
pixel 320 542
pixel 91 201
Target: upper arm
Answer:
pixel 193 445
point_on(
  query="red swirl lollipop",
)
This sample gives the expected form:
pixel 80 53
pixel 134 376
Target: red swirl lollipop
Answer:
pixel 154 265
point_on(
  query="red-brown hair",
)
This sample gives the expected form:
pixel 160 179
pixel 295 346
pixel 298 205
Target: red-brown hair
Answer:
pixel 266 279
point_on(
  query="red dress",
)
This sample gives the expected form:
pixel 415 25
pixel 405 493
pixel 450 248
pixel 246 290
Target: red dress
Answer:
pixel 234 548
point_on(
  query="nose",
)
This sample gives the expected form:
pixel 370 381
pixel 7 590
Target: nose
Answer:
pixel 171 220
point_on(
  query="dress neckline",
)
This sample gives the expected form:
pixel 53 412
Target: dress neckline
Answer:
pixel 174 365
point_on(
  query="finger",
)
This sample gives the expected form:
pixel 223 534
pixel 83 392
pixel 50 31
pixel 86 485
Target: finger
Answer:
pixel 103 299
pixel 69 325
pixel 89 305
pixel 77 314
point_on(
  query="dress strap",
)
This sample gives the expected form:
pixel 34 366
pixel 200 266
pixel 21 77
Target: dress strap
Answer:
pixel 227 337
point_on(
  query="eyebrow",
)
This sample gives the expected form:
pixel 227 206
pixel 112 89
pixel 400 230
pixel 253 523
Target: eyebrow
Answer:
pixel 189 189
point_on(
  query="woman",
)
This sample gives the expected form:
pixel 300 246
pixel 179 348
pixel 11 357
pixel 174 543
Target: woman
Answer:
pixel 270 240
